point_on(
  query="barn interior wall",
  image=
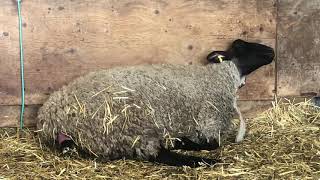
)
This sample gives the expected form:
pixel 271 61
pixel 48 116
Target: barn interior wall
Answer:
pixel 66 39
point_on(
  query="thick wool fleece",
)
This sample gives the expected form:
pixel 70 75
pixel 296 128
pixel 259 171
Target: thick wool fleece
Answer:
pixel 134 111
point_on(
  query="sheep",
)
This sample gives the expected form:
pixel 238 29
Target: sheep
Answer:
pixel 144 112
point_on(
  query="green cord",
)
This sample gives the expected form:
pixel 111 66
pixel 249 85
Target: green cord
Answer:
pixel 21 64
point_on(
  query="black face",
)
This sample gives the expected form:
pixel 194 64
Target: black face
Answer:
pixel 247 56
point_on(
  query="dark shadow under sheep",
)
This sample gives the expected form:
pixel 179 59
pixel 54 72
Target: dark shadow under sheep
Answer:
pixel 316 101
pixel 143 112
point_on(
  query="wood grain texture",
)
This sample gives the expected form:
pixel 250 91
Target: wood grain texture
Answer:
pixel 66 39
pixel 9 115
pixel 298 48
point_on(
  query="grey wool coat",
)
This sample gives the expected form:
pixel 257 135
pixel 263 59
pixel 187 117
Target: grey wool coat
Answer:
pixel 134 111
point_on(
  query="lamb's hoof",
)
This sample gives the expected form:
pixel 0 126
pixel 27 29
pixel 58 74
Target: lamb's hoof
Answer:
pixel 66 150
pixel 66 144
pixel 68 147
pixel 69 151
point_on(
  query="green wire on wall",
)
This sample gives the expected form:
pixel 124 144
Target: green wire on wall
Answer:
pixel 21 65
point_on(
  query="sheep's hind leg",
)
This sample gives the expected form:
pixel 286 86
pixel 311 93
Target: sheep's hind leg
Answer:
pixel 170 158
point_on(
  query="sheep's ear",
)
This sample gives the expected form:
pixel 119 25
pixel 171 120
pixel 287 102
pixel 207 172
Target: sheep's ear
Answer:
pixel 218 57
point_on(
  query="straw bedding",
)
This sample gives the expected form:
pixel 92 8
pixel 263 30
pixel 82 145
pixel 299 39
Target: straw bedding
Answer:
pixel 282 143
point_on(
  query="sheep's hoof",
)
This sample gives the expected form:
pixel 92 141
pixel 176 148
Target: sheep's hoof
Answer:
pixel 66 144
pixel 67 147
pixel 239 139
pixel 66 150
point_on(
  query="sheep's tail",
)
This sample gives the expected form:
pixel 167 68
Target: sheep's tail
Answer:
pixel 242 126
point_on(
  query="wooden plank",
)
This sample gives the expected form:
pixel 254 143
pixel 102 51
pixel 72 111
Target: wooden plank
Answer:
pixel 66 39
pixel 251 109
pixel 298 66
pixel 9 115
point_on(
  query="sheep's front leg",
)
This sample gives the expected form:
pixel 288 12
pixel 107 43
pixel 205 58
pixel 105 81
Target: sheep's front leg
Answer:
pixel 186 144
pixel 170 158
pixel 242 127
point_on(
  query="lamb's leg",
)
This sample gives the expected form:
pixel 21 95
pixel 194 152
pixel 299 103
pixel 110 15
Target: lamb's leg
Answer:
pixel 170 158
pixel 186 144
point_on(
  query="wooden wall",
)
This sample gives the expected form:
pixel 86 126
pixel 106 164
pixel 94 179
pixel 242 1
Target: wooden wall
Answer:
pixel 298 65
pixel 64 39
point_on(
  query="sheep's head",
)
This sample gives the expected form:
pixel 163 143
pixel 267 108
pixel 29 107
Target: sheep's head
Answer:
pixel 247 56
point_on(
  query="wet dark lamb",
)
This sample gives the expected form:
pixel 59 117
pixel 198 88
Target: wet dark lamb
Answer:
pixel 143 112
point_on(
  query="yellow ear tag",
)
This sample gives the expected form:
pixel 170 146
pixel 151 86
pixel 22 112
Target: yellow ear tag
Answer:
pixel 220 57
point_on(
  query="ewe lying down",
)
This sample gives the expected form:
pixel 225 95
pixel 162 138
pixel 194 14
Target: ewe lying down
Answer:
pixel 143 112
